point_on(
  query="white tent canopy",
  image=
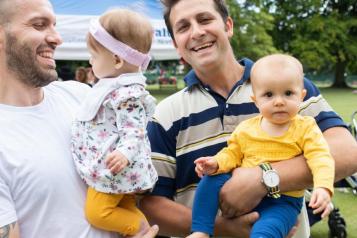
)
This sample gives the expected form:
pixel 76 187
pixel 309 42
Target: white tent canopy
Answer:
pixel 73 18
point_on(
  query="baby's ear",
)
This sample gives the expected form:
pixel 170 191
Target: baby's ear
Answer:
pixel 119 62
pixel 253 98
pixel 303 94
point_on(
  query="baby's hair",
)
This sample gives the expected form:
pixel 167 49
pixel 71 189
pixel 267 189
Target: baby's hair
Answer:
pixel 278 62
pixel 127 26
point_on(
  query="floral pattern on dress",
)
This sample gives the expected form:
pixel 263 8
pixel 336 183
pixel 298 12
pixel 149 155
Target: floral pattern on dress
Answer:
pixel 120 124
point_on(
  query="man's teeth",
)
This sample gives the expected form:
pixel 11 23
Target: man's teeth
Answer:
pixel 46 55
pixel 203 46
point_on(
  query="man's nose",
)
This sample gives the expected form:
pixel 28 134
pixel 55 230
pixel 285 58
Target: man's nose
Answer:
pixel 197 30
pixel 54 37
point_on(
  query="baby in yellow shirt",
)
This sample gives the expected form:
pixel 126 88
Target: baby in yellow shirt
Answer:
pixel 278 133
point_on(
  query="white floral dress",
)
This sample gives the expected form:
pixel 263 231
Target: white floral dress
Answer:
pixel 114 116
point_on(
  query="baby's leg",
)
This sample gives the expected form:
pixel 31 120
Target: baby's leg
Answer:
pixel 276 217
pixel 205 205
pixel 113 212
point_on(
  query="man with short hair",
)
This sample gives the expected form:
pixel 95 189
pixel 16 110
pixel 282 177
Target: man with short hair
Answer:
pixel 198 120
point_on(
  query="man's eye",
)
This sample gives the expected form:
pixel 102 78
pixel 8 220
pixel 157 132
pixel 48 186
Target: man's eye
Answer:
pixel 181 28
pixel 205 20
pixel 39 25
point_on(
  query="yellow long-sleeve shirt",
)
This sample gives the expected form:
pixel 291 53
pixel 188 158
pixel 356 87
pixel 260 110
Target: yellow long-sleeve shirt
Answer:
pixel 250 146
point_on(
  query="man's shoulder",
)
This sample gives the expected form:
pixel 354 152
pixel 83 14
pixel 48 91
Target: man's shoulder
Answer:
pixel 173 102
pixel 68 88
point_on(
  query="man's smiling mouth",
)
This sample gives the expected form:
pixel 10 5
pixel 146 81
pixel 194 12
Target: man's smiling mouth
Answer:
pixel 204 46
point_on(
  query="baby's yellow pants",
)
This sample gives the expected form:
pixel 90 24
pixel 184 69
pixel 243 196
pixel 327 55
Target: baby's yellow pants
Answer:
pixel 113 212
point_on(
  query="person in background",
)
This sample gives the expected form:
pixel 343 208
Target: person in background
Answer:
pixel 198 120
pixel 278 133
pixel 110 146
pixel 91 78
pixel 81 75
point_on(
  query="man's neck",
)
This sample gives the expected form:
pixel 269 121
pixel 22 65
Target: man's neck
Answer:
pixel 223 77
pixel 15 93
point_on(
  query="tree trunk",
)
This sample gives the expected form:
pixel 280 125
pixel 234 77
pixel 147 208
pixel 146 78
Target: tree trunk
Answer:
pixel 340 75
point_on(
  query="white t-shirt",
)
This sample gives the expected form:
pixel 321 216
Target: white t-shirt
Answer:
pixel 39 186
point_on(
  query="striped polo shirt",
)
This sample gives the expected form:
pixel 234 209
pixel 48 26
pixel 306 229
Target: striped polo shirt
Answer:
pixel 197 122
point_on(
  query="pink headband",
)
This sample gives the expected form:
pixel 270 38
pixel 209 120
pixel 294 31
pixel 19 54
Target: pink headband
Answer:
pixel 117 47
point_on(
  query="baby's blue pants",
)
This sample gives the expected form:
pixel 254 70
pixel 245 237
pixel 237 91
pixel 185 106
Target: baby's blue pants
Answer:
pixel 276 216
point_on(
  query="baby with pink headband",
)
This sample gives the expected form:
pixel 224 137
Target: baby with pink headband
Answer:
pixel 110 146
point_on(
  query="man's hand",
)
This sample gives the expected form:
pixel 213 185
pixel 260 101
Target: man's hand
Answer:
pixel 235 227
pixel 116 161
pixel 243 192
pixel 320 202
pixel 149 232
pixel 205 166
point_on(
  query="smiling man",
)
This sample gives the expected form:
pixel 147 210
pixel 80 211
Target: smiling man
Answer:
pixel 41 194
pixel 197 121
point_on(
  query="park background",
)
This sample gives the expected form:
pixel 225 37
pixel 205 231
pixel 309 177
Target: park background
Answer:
pixel 321 33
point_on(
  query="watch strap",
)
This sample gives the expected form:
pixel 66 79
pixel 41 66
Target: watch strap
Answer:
pixel 273 192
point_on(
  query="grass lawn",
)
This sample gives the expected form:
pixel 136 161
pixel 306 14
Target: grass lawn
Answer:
pixel 344 102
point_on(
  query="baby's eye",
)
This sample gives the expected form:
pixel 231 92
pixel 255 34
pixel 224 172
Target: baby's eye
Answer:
pixel 269 94
pixel 288 93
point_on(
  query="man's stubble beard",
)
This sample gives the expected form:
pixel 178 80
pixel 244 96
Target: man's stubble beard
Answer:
pixel 21 60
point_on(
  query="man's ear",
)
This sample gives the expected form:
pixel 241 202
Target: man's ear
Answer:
pixel 229 26
pixel 2 36
pixel 119 62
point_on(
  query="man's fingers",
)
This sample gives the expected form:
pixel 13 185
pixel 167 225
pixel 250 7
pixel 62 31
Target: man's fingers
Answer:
pixel 251 217
pixel 292 232
pixel 152 232
pixel 228 212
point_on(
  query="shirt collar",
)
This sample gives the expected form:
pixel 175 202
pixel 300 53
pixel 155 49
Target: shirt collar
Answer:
pixel 191 78
pixel 123 80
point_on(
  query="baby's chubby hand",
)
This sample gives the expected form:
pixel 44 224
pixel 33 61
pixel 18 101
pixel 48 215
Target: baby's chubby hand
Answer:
pixel 116 161
pixel 320 201
pixel 206 165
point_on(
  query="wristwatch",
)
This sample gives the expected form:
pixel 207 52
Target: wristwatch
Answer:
pixel 271 180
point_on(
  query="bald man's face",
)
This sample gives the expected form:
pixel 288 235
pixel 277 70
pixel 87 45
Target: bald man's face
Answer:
pixel 30 41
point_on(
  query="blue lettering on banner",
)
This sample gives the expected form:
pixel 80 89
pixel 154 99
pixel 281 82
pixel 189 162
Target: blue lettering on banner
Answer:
pixel 162 32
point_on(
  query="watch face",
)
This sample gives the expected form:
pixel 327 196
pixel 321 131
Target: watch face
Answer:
pixel 271 179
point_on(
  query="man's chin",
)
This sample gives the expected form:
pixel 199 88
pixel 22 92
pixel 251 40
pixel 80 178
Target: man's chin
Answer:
pixel 46 78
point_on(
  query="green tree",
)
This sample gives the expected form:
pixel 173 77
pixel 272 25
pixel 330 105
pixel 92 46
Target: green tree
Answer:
pixel 251 25
pixel 322 33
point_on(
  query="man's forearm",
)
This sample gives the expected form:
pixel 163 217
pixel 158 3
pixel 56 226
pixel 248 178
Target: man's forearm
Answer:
pixel 10 231
pixel 173 218
pixel 343 148
pixel 294 174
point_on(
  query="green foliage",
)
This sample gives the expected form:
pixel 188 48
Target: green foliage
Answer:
pixel 321 33
pixel 251 25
